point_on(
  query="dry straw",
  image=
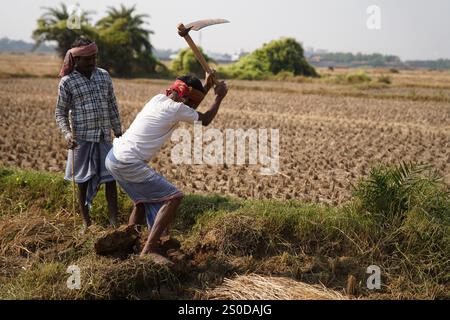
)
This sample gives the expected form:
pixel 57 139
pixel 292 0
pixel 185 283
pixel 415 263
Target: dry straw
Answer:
pixel 256 287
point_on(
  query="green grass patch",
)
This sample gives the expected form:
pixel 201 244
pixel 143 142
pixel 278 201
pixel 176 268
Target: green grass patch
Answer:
pixel 24 189
pixel 398 219
pixel 357 77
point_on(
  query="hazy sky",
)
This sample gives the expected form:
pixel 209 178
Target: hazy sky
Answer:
pixel 411 29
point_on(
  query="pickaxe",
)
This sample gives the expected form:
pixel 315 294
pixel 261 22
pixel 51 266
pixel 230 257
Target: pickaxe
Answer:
pixel 183 31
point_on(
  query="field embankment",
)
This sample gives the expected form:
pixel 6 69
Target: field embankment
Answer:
pixel 397 219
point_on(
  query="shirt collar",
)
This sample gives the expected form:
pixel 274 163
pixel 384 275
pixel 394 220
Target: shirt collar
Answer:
pixel 94 73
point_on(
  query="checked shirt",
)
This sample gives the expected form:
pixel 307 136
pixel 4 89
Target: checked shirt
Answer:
pixel 92 103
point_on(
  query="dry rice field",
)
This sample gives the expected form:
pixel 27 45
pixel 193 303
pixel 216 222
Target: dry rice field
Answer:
pixel 330 134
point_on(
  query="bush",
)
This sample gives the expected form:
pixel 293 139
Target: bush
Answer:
pixel 391 192
pixel 283 76
pixel 357 77
pixel 247 68
pixel 385 79
pixel 411 206
pixel 187 63
pixel 279 56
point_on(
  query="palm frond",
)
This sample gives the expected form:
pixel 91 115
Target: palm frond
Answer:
pixel 392 191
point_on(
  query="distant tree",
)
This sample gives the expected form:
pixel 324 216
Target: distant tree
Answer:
pixel 139 36
pixel 116 53
pixel 439 64
pixel 125 48
pixel 279 56
pixel 186 63
pixel 359 59
pixel 52 26
pixel 377 60
pixel 249 67
pixel 126 42
pixel 393 59
pixel 286 55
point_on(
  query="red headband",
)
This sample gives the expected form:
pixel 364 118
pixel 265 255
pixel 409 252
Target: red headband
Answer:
pixel 179 87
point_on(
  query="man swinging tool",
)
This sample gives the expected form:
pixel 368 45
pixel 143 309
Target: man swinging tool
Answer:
pixel 87 92
pixel 154 197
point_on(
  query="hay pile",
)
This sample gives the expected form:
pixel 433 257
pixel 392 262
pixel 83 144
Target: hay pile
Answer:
pixel 132 278
pixel 36 236
pixel 256 287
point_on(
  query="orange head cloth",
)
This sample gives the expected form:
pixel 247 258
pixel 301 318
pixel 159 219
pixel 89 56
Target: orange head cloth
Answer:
pixel 184 91
pixel 180 88
pixel 69 62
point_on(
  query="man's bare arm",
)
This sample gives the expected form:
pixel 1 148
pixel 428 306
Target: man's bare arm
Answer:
pixel 206 118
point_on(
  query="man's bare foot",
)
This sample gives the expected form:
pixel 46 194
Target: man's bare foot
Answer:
pixel 149 248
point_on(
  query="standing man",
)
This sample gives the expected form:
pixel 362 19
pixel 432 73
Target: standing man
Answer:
pixel 154 197
pixel 87 92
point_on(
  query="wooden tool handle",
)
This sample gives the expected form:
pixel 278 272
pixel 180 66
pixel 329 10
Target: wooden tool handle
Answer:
pixel 185 34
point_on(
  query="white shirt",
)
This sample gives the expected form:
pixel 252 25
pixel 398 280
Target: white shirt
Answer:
pixel 151 128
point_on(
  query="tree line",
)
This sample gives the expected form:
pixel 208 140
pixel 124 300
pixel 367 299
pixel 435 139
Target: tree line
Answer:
pixel 126 50
pixel 125 44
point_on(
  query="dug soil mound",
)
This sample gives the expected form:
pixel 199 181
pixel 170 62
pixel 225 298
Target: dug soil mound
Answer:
pixel 120 242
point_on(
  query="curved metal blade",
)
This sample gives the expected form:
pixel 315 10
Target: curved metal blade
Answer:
pixel 198 25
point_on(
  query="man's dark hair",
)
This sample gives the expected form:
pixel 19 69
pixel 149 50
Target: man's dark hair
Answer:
pixel 81 42
pixel 193 82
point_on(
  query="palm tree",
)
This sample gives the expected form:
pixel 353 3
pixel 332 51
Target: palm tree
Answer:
pixel 139 36
pixel 52 26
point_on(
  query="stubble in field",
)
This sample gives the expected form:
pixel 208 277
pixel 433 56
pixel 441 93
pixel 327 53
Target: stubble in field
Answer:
pixel 326 141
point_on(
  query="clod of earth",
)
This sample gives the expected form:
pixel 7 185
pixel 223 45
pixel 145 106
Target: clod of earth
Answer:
pixel 119 242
